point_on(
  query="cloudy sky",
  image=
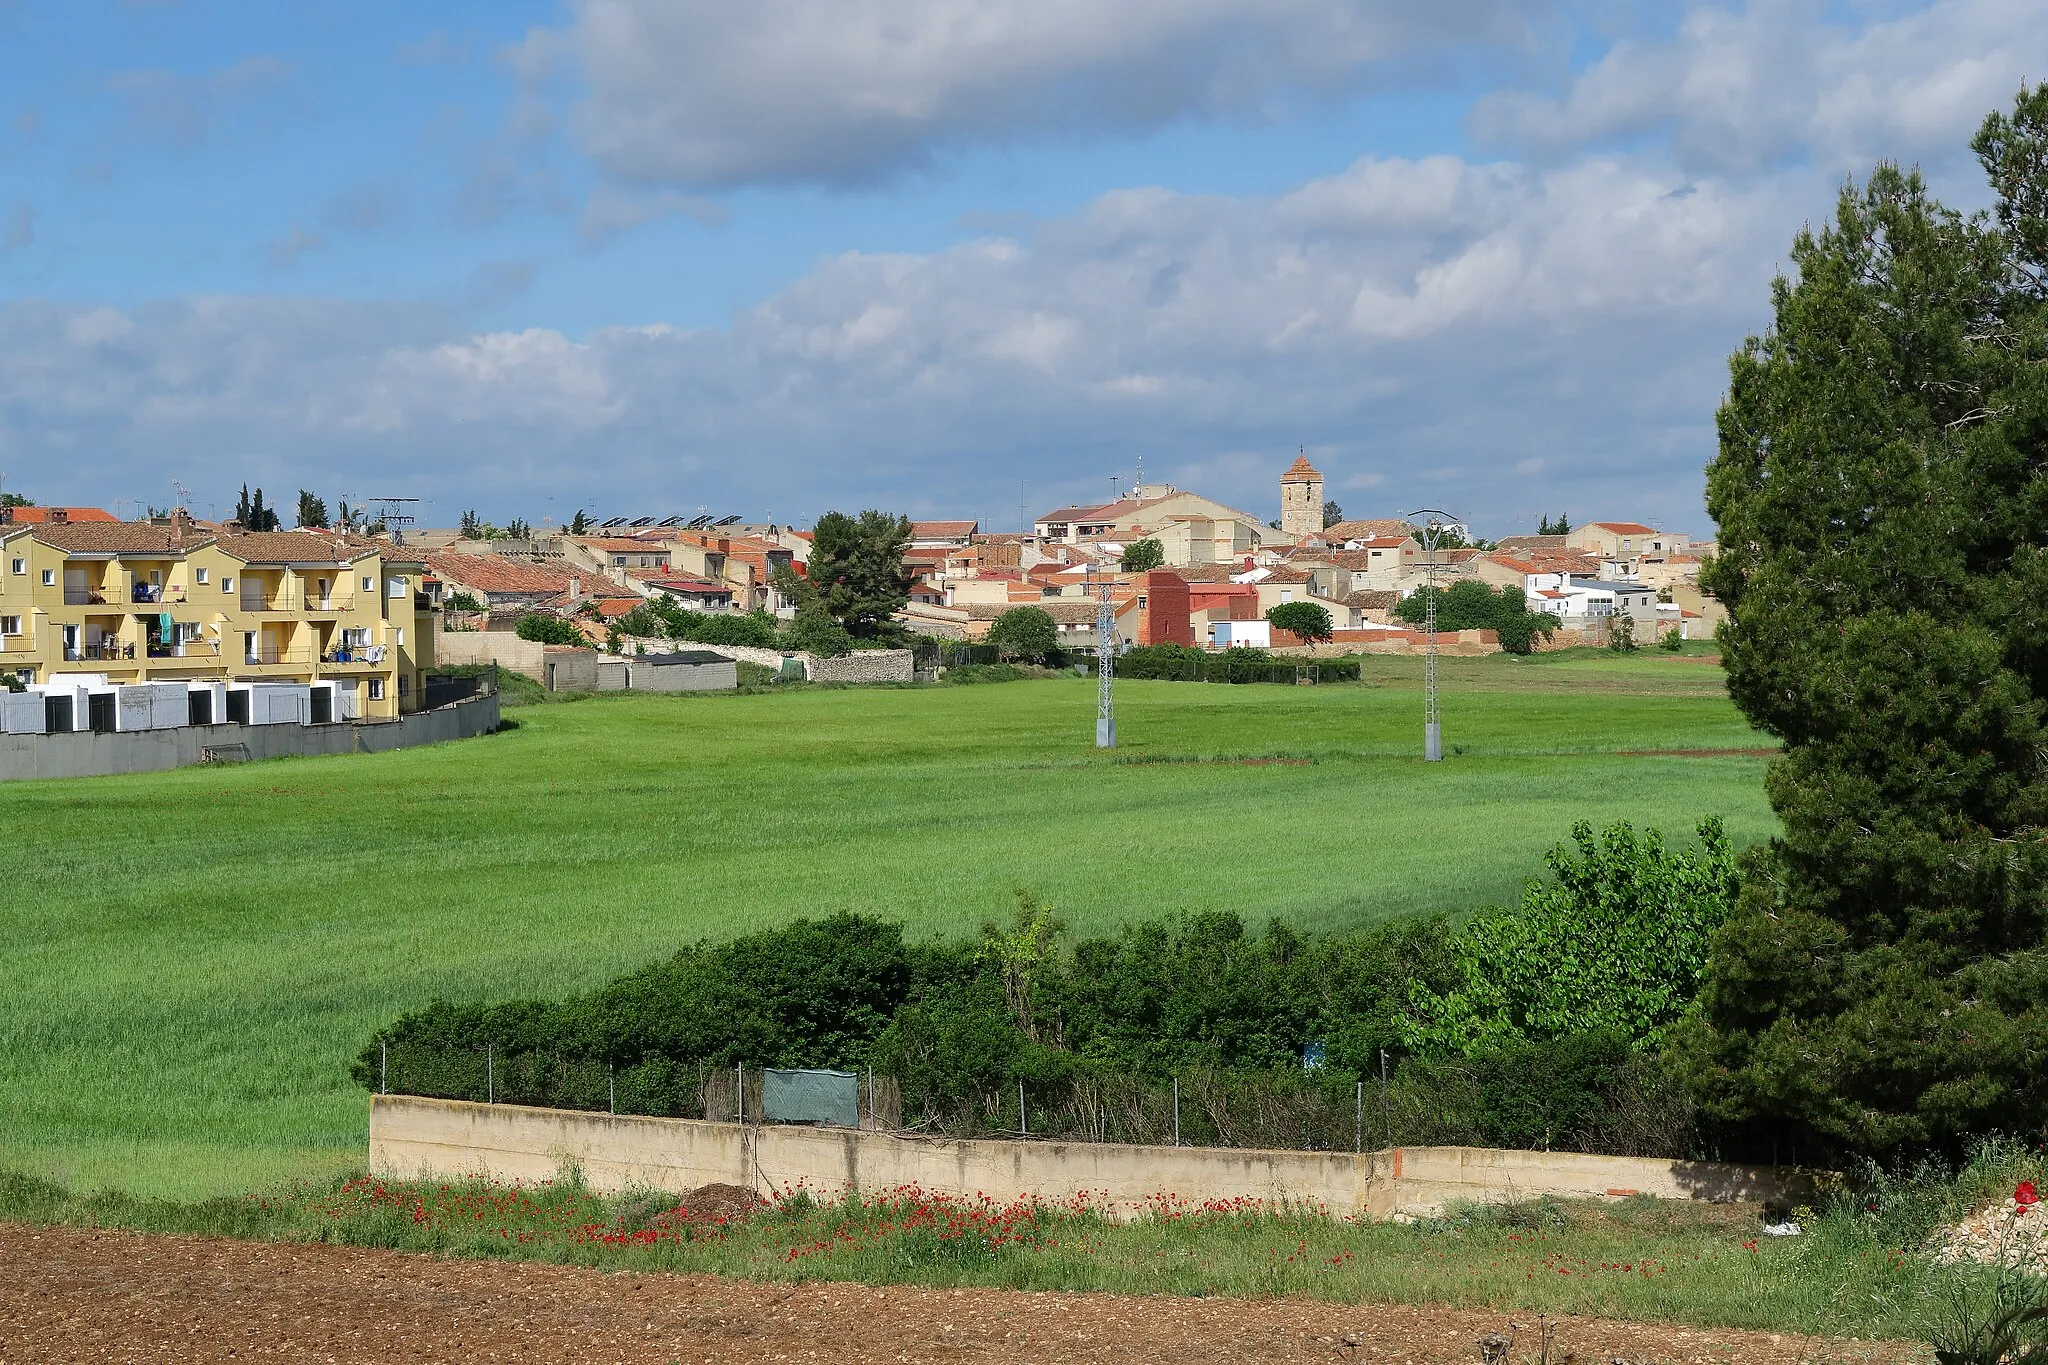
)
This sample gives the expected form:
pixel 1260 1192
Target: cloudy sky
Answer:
pixel 942 256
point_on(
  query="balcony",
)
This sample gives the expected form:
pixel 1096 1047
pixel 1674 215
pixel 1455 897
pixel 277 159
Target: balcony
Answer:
pixel 189 649
pixel 333 602
pixel 155 593
pixel 84 597
pixel 109 651
pixel 360 656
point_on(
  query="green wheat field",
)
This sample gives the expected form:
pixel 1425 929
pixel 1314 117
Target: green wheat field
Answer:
pixel 193 957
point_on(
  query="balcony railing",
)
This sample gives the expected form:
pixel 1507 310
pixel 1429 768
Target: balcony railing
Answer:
pixel 107 650
pixel 154 592
pixel 190 649
pixel 83 597
pixel 356 654
pixel 267 654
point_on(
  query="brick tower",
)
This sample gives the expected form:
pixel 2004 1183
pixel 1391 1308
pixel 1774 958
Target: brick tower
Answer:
pixel 1301 499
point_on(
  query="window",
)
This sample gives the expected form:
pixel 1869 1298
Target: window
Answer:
pixel 376 689
pixel 10 625
pixel 227 582
pixel 619 560
pixel 369 583
pixel 21 566
pixel 396 586
pixel 404 684
pixel 199 576
pixel 398 636
pixel 49 578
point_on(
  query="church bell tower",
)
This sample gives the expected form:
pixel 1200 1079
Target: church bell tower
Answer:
pixel 1301 499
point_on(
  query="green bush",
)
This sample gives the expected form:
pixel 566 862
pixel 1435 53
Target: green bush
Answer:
pixel 1616 944
pixel 548 630
pixel 1309 620
pixel 1027 633
pixel 1471 605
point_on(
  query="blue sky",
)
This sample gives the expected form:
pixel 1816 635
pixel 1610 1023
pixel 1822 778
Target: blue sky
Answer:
pixel 652 254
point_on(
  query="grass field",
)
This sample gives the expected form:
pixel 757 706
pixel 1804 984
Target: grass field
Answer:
pixel 193 956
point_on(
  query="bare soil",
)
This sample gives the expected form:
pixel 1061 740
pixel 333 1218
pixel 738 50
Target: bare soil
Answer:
pixel 76 1295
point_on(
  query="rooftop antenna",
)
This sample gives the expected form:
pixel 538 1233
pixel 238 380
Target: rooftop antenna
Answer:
pixel 184 494
pixel 1112 488
pixel 395 517
pixel 1023 508
pixel 1138 491
pixel 1436 521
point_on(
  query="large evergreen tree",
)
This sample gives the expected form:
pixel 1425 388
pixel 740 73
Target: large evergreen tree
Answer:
pixel 1882 494
pixel 856 565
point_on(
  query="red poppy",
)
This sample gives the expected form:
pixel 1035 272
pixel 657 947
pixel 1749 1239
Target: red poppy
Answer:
pixel 2026 1196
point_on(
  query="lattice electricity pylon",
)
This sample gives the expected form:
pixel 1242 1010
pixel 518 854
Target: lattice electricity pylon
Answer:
pixel 1431 535
pixel 1105 662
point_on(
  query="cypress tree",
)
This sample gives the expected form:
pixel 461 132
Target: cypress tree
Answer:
pixel 1882 494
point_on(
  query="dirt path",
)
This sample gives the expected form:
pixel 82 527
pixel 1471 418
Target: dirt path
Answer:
pixel 68 1295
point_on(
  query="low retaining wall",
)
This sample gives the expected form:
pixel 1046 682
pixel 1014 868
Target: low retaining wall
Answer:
pixel 861 666
pixel 148 751
pixel 500 647
pixel 451 1138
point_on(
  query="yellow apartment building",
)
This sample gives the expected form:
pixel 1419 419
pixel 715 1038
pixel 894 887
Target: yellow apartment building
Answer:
pixel 159 600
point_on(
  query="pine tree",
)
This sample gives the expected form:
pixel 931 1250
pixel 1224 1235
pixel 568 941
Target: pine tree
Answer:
pixel 856 565
pixel 312 510
pixel 1882 495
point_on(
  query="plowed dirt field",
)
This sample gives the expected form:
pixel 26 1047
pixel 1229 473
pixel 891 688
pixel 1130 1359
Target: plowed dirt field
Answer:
pixel 74 1295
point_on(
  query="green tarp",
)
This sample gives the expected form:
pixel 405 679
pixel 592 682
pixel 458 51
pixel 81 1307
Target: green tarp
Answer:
pixel 811 1097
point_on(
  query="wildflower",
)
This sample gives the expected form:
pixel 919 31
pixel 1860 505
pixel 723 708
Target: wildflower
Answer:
pixel 2025 1197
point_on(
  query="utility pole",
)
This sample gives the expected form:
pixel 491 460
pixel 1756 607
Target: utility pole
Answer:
pixel 1431 535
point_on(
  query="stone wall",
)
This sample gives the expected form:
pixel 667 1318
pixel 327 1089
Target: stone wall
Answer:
pixel 85 754
pixel 500 647
pixel 439 1139
pixel 861 666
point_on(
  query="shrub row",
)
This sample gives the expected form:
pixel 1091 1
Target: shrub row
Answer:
pixel 1238 664
pixel 1515 1028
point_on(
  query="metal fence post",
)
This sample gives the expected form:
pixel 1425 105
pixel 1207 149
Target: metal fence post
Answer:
pixel 740 1074
pixel 1386 1115
pixel 611 1087
pixel 1176 1111
pixel 1023 1123
pixel 490 1075
pixel 383 1067
pixel 1358 1121
pixel 874 1121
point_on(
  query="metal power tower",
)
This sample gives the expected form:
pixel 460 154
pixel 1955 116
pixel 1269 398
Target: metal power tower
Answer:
pixel 1435 523
pixel 1105 661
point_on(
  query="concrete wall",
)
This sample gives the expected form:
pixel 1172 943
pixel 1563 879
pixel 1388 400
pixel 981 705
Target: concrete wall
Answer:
pixel 685 677
pixel 443 1138
pixel 499 647
pixel 570 670
pixel 146 751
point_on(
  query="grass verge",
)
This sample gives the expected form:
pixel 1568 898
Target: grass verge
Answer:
pixel 1860 1269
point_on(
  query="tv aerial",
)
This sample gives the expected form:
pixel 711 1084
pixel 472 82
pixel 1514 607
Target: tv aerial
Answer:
pixel 396 516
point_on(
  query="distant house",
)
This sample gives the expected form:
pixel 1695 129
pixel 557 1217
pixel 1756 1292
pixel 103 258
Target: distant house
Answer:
pixel 932 534
pixel 694 593
pixel 1611 538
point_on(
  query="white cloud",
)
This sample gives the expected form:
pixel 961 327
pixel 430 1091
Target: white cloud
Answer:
pixel 1426 325
pixel 1784 80
pixel 705 94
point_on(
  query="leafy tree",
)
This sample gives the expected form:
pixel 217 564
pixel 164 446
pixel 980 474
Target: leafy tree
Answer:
pixel 1469 604
pixel 1618 943
pixel 1674 640
pixel 1309 620
pixel 548 630
pixel 1882 495
pixel 312 510
pixel 462 601
pixel 815 632
pixel 517 529
pixel 1621 633
pixel 1332 514
pixel 473 527
pixel 1140 556
pixel 15 500
pixel 856 565
pixel 579 524
pixel 1561 527
pixel 1027 633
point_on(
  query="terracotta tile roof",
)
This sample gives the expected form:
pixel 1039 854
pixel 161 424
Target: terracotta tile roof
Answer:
pixel 926 530
pixel 1627 528
pixel 489 573
pixel 303 547
pixel 1533 542
pixel 111 537
pixel 613 607
pixel 1371 598
pixel 1353 530
pixel 1066 613
pixel 694 586
pixel 37 516
pixel 1209 573
pixel 1301 471
pixel 1351 559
